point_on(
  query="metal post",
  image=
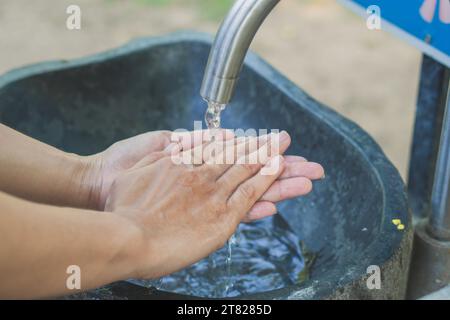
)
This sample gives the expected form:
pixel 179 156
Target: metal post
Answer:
pixel 440 200
pixel 429 183
pixel 427 130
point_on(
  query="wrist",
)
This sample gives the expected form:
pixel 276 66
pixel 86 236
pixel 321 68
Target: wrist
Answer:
pixel 132 249
pixel 86 182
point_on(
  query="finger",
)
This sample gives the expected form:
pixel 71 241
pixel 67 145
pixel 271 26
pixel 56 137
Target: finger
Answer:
pixel 261 209
pixel 149 159
pixel 192 139
pixel 310 170
pixel 208 151
pixel 204 152
pixel 288 159
pixel 215 158
pixel 276 145
pixel 181 152
pixel 220 156
pixel 287 189
pixel 139 146
pixel 224 152
pixel 246 195
pixel 249 166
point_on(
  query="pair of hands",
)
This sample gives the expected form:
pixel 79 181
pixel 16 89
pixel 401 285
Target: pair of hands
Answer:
pixel 182 212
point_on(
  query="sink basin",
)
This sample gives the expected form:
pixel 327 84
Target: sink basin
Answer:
pixel 85 105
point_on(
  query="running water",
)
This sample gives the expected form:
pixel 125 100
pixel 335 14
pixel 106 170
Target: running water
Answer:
pixel 212 119
pixel 212 115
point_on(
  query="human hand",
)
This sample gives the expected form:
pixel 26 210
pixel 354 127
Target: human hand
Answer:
pixel 106 166
pixel 123 155
pixel 185 212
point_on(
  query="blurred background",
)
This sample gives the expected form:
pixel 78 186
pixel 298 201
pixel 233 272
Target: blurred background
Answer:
pixel 368 76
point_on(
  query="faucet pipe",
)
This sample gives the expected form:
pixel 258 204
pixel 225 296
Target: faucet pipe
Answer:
pixel 230 48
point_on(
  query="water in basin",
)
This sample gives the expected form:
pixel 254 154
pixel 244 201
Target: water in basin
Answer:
pixel 266 255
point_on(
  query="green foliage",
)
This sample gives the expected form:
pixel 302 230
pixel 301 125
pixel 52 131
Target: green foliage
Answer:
pixel 154 2
pixel 214 9
pixel 208 9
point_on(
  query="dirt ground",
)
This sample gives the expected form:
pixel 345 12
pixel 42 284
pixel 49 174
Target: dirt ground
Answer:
pixel 369 76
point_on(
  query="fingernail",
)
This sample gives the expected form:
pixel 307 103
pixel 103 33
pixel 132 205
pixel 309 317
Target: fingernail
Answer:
pixel 284 136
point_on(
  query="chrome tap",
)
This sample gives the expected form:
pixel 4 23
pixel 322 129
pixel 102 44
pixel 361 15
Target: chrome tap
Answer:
pixel 230 48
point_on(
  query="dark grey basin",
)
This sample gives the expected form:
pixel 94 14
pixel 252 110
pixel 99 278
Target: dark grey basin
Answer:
pixel 85 105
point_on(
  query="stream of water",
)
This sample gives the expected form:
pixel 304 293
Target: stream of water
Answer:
pixel 212 119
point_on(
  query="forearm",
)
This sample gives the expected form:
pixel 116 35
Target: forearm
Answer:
pixel 38 172
pixel 39 242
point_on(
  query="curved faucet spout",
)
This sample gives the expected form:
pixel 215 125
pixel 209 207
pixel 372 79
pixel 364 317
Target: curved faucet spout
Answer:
pixel 230 48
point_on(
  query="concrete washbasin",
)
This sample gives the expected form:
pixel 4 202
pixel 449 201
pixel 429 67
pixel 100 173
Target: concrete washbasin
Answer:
pixel 85 105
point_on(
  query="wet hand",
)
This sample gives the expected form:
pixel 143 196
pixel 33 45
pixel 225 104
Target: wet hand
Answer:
pixel 105 167
pixel 185 211
pixel 295 181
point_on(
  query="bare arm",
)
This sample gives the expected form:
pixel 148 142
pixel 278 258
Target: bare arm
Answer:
pixel 39 242
pixel 38 172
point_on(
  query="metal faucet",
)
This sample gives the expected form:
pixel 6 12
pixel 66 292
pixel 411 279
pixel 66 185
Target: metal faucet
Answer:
pixel 230 48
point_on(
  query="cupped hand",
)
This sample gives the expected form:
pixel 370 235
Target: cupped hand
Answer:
pixel 107 166
pixel 185 211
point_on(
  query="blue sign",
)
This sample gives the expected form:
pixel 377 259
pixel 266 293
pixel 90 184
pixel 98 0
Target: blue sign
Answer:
pixel 423 23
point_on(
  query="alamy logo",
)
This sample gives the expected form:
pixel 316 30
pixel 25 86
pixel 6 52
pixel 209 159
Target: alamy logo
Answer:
pixel 374 17
pixel 73 21
pixel 374 279
pixel 218 152
pixel 73 281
